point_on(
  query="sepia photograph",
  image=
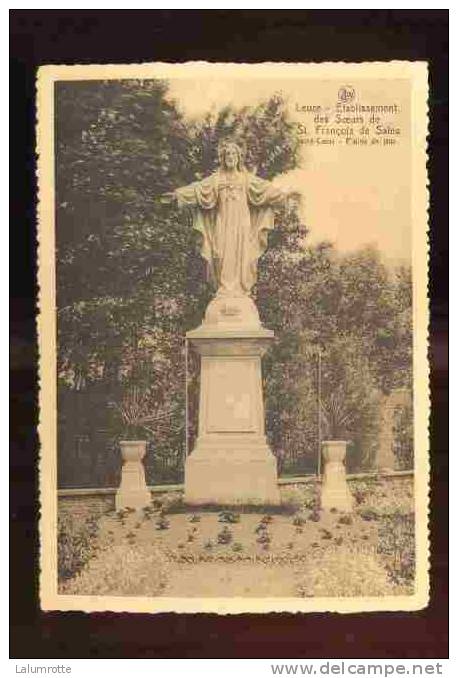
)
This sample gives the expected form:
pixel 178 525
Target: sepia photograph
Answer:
pixel 233 337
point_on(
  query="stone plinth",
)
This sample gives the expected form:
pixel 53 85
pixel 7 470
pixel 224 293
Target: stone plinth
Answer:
pixel 132 492
pixel 335 492
pixel 386 458
pixel 231 462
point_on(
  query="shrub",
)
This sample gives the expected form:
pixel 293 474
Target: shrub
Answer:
pixel 76 542
pixel 259 529
pixel 194 519
pixel 299 520
pixel 385 495
pixel 225 536
pixel 229 517
pixel 346 519
pixel 313 503
pixel 368 514
pixel 171 500
pixel 343 572
pixel 396 545
pixel 266 519
pixel 403 437
pixel 162 523
pixel 122 570
pixel 359 496
pixel 263 538
pixel 293 496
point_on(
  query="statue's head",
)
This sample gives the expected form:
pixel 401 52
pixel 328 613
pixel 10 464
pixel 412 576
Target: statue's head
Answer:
pixel 230 154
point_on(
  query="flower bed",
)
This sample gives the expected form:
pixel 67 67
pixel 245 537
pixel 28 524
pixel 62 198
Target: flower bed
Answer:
pixel 344 572
pixel 121 570
pixel 76 542
pixel 368 552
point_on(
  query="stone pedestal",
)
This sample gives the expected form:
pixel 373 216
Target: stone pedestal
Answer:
pixel 400 398
pixel 231 462
pixel 335 492
pixel 132 492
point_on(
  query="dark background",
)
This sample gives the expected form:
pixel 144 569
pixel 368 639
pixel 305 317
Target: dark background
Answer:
pixel 131 36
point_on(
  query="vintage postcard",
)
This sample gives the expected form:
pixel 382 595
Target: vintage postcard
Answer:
pixel 233 337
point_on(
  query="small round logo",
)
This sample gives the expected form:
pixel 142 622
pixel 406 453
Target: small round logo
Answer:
pixel 346 93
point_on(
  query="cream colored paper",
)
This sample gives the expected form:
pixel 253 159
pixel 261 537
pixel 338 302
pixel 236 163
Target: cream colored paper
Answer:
pixel 306 84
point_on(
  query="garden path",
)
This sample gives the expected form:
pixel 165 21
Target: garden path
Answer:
pixel 207 580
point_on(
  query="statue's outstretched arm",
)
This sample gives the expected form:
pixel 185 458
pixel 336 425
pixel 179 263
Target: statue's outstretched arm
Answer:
pixel 199 194
pixel 185 196
pixel 265 193
pixel 168 198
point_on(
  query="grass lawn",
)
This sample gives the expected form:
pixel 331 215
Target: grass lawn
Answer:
pixel 298 552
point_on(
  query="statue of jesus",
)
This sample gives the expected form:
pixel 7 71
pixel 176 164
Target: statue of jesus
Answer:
pixel 231 462
pixel 232 209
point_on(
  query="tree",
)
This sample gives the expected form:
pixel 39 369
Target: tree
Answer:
pixel 130 278
pixel 131 282
pixel 353 312
pixel 125 266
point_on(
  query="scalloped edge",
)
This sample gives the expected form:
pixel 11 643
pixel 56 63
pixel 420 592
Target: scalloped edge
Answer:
pixel 417 72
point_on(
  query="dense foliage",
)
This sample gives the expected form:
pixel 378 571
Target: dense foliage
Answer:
pixel 131 282
pixel 347 313
pixel 76 537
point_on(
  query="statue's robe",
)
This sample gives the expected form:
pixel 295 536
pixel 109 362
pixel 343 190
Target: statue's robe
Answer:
pixel 233 213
